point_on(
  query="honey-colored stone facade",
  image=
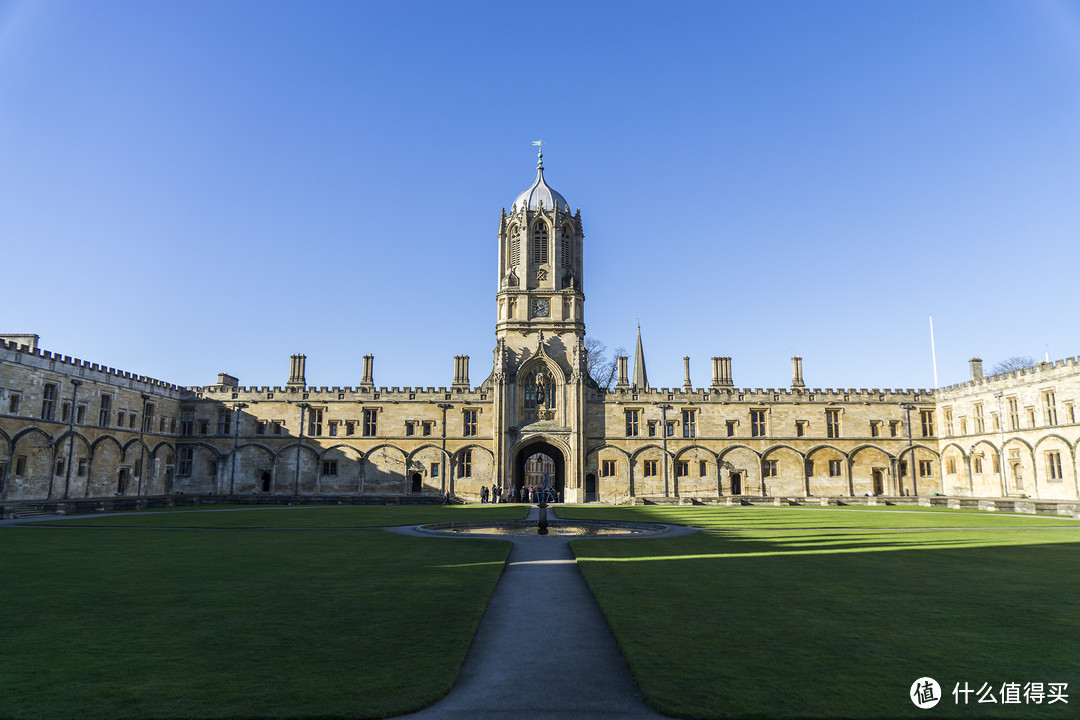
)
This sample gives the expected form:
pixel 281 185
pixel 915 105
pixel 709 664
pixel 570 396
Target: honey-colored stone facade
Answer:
pixel 71 429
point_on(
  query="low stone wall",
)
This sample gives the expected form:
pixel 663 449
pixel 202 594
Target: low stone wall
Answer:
pixel 14 510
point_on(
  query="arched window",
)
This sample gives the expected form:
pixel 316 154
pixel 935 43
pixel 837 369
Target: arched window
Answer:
pixel 539 390
pixel 566 246
pixel 540 243
pixel 515 246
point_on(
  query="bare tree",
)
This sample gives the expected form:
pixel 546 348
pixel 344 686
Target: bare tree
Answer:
pixel 1017 362
pixel 601 366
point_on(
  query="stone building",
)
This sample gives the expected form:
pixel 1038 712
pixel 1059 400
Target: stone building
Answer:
pixel 72 429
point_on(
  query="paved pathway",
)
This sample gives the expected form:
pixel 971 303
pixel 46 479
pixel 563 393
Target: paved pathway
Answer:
pixel 542 649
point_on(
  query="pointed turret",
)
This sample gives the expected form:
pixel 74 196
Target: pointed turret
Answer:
pixel 641 377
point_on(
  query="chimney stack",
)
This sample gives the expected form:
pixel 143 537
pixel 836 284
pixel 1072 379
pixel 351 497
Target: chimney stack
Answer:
pixel 721 372
pixel 461 372
pixel 366 381
pixel 621 380
pixel 686 384
pixel 297 367
pixel 976 369
pixel 796 372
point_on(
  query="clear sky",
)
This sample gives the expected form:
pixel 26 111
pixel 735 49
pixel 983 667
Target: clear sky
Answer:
pixel 189 188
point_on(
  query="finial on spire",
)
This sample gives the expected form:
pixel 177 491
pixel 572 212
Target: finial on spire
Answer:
pixel 539 153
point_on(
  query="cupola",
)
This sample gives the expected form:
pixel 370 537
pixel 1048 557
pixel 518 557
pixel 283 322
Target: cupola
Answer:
pixel 540 193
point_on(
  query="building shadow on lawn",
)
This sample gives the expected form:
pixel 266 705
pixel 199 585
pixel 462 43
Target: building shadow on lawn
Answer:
pixel 841 624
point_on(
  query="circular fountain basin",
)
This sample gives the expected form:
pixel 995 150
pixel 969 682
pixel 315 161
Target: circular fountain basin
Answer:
pixel 557 528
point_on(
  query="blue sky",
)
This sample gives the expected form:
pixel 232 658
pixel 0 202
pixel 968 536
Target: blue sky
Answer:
pixel 190 188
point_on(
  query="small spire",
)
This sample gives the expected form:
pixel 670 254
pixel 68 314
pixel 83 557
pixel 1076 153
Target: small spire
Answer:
pixel 641 378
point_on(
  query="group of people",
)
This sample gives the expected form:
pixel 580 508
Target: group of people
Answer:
pixel 528 494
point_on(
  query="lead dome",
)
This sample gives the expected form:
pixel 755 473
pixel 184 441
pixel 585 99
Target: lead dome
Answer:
pixel 540 193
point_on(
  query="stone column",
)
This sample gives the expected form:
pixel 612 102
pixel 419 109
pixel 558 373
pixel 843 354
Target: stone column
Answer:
pixel 686 385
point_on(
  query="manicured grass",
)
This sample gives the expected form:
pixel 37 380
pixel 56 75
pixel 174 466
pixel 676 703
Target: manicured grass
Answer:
pixel 300 517
pixel 807 612
pixel 131 623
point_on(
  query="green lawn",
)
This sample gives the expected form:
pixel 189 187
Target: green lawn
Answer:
pixel 115 622
pixel 819 612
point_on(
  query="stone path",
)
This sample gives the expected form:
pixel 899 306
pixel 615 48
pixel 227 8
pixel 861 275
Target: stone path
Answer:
pixel 542 649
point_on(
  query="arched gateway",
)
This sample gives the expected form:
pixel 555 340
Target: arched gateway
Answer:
pixel 530 467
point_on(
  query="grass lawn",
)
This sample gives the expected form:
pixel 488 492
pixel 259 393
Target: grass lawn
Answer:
pixel 115 622
pixel 822 612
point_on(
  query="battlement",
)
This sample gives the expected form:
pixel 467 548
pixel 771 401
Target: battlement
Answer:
pixel 1040 372
pixel 766 395
pixel 326 394
pixel 21 353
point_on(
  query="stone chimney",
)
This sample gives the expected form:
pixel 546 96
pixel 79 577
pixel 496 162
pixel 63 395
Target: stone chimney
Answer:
pixel 297 368
pixel 976 369
pixel 721 372
pixel 461 372
pixel 621 379
pixel 227 380
pixel 366 381
pixel 796 372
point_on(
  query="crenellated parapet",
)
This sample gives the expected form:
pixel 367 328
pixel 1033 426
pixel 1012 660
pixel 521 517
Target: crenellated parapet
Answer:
pixel 67 365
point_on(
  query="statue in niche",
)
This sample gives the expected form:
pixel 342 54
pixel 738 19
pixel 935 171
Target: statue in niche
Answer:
pixel 541 386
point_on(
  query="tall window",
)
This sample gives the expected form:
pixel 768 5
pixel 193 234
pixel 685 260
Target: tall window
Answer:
pixel 875 428
pixel 1014 414
pixel 926 469
pixel 948 420
pixel 832 423
pixel 631 423
pixel 980 423
pixel 187 422
pixel 539 390
pixel 148 418
pixel 731 428
pixel 13 404
pixel 184 458
pixel 371 419
pixel 834 468
pixel 48 402
pixel 80 414
pixel 566 247
pixel 927 422
pixel 223 422
pixel 1050 407
pixel 515 246
pixel 682 468
pixel 540 243
pixel 689 424
pixel 977 464
pixel 332 427
pixel 768 468
pixel 315 418
pixel 469 420
pixel 757 423
pixel 648 468
pixel 465 464
pixel 1053 463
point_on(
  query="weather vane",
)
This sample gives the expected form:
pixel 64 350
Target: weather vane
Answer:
pixel 540 152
